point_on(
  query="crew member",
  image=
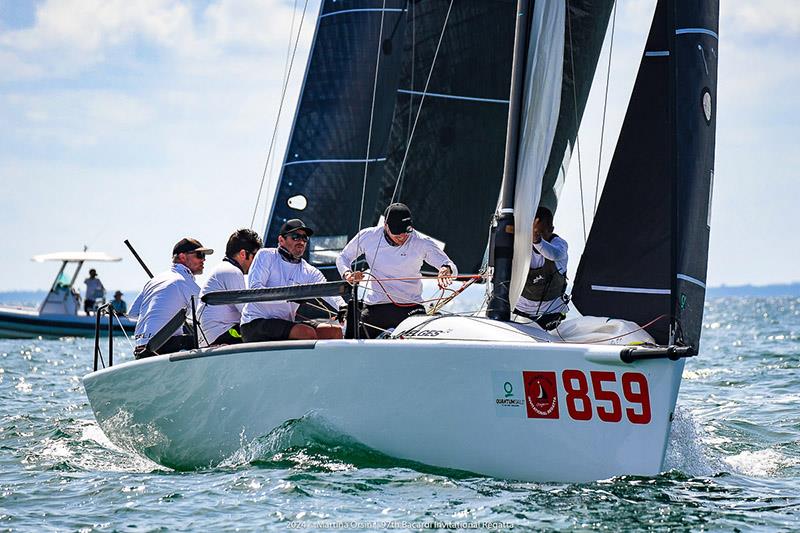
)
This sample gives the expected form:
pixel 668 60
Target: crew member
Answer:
pixel 119 305
pixel 544 299
pixel 281 267
pixel 167 293
pixel 395 254
pixel 94 291
pixel 219 324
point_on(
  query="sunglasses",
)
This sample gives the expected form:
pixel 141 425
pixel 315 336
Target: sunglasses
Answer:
pixel 199 255
pixel 298 236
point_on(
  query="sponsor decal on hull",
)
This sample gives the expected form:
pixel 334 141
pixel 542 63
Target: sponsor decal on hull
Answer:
pixel 586 395
pixel 509 392
pixel 541 394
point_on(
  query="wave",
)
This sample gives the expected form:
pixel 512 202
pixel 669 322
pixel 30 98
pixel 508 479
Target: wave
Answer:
pixel 312 444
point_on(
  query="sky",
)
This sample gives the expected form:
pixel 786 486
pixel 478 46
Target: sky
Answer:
pixel 151 120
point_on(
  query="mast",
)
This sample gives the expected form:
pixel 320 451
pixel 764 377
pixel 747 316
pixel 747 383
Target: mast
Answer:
pixel 501 247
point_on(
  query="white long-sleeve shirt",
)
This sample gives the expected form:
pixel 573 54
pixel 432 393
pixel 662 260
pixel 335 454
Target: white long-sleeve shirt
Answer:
pixel 556 251
pixel 160 299
pixel 269 269
pixel 217 319
pixel 94 289
pixel 387 263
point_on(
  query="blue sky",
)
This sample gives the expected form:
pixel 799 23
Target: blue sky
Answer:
pixel 150 120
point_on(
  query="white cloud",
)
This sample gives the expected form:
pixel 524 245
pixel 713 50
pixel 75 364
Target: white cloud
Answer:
pixel 764 17
pixel 70 37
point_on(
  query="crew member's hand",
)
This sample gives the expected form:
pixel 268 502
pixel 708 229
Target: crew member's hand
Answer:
pixel 353 277
pixel 445 276
pixel 537 236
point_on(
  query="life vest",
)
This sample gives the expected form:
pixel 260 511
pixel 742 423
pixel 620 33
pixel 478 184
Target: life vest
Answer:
pixel 545 283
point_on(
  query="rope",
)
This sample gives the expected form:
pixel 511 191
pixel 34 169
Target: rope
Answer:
pixel 575 108
pixel 369 143
pixel 130 344
pixel 388 294
pixel 421 102
pixel 278 117
pixel 371 117
pixel 605 107
pixel 413 71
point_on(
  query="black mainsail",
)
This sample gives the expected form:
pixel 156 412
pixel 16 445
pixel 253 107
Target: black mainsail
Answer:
pixel 587 22
pixel 449 171
pixel 646 256
pixel 324 168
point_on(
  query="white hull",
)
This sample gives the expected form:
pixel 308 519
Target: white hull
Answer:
pixel 446 403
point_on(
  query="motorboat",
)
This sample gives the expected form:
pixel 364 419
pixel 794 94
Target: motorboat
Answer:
pixel 60 313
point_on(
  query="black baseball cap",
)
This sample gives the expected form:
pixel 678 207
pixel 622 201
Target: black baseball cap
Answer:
pixel 294 225
pixel 186 245
pixel 398 218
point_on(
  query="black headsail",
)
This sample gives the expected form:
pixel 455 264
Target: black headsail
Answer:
pixel 449 171
pixel 646 256
pixel 323 171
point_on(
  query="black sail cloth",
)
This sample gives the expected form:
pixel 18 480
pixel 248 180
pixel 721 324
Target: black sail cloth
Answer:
pixel 646 256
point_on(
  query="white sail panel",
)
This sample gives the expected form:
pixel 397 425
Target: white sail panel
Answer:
pixel 540 118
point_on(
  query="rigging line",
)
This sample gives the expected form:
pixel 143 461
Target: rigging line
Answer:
pixel 366 163
pixel 265 221
pixel 278 117
pixel 371 117
pixel 130 343
pixel 575 109
pixel 605 107
pixel 421 102
pixel 411 95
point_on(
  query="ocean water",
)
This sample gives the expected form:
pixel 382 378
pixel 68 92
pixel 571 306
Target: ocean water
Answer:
pixel 733 461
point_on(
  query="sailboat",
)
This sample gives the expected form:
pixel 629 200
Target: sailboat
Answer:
pixel 468 112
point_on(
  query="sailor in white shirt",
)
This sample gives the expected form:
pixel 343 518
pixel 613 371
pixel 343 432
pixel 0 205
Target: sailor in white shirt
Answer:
pixel 167 293
pixel 544 298
pixel 94 291
pixel 219 324
pixel 395 254
pixel 280 267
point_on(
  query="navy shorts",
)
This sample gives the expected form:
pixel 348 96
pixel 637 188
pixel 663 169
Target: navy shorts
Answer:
pixel 272 329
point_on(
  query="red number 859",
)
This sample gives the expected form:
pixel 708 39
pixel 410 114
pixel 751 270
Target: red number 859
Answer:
pixel 579 404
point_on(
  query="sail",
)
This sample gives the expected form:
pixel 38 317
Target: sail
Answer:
pixel 540 114
pixel 586 24
pixel 449 171
pixel 335 123
pixel 646 256
pixel 564 47
pixel 696 50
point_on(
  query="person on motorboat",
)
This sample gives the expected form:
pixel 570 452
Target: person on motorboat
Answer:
pixel 164 295
pixel 119 305
pixel 281 267
pixel 94 291
pixel 219 324
pixel 544 299
pixel 394 253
